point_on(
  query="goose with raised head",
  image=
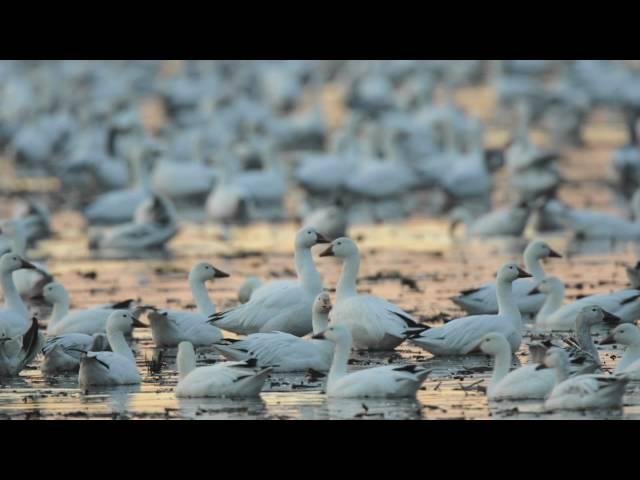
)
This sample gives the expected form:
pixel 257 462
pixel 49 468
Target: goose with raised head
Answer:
pixel 393 381
pixel 483 299
pixel 170 327
pixel 375 323
pixel 461 335
pixel 62 354
pixel 117 367
pixel 526 382
pixel 286 352
pixel 628 335
pixel 17 351
pixel 14 316
pixel 281 305
pixel 87 321
pixel 583 391
pixel 624 304
pixel 224 379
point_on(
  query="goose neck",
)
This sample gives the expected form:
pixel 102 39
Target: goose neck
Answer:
pixel 60 309
pixel 319 321
pixel 307 272
pixel 533 265
pixel 506 303
pixel 186 361
pixel 12 300
pixel 562 372
pixel 347 284
pixel 552 302
pixel 583 333
pixel 119 344
pixel 201 296
pixel 340 359
pixel 501 365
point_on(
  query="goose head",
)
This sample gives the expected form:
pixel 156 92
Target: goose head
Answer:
pixel 54 292
pixel 593 314
pixel 122 321
pixel 308 237
pixel 510 272
pixel 204 271
pixel 554 358
pixel 335 334
pixel 625 334
pixel 342 247
pixel 322 303
pixel 10 262
pixel 540 249
pixel 492 344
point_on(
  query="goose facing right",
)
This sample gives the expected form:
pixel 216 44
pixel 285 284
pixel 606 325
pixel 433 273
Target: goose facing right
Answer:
pixel 224 379
pixel 461 335
pixel 391 381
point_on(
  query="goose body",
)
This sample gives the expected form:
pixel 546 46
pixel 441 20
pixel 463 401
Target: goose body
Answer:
pixel 16 352
pixel 170 327
pixel 391 381
pixel 117 367
pixel 283 351
pixel 584 391
pixel 374 323
pixel 62 354
pixel 484 300
pixel 460 336
pixel 526 382
pixel 284 306
pixel 224 379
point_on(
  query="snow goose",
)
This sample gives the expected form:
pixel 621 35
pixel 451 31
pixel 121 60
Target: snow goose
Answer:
pixel 17 351
pixel 461 335
pixel 375 323
pixel 281 305
pixel 117 367
pixel 62 354
pixel 286 352
pixel 629 335
pixel 483 299
pixel 583 391
pixel 225 379
pixel 509 221
pixel 624 304
pixel 155 223
pixel 170 327
pixel 389 381
pixel 14 316
pixel 526 382
pixel 87 321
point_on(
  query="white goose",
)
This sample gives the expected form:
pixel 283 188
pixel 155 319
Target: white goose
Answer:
pixel 62 354
pixel 117 367
pixel 283 351
pixel 460 336
pixel 624 304
pixel 246 290
pixel 14 316
pixel 388 382
pixel 225 379
pixel 584 391
pixel 281 305
pixel 87 321
pixel 629 335
pixel 375 323
pixel 170 327
pixel 17 351
pixel 526 382
pixel 483 299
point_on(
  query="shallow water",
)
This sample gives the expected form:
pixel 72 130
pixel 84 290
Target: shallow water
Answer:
pixel 422 253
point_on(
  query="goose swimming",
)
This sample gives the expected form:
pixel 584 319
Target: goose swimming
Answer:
pixel 224 379
pixel 484 300
pixel 170 327
pixel 286 352
pixel 281 305
pixel 461 335
pixel 391 381
pixel 375 323
pixel 117 367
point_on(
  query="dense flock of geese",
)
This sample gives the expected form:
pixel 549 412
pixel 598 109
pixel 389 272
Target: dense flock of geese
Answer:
pixel 233 139
pixel 292 326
